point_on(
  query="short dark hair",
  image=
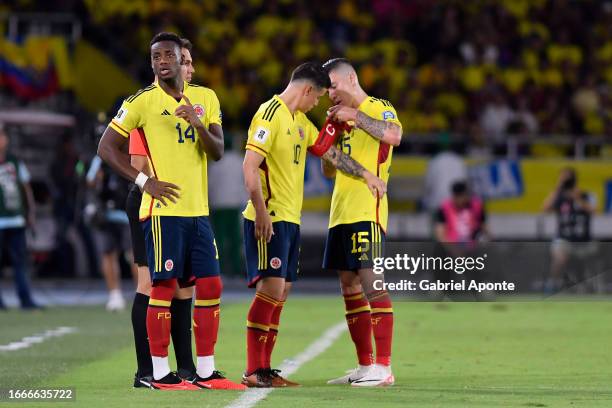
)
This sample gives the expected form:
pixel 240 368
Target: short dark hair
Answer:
pixel 165 36
pixel 185 43
pixel 459 187
pixel 313 72
pixel 334 63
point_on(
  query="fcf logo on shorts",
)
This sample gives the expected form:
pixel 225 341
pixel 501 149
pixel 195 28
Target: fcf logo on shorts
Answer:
pixel 275 263
pixel 169 265
pixel 199 110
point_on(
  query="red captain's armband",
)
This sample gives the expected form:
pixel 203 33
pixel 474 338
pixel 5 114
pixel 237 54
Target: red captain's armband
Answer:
pixel 327 137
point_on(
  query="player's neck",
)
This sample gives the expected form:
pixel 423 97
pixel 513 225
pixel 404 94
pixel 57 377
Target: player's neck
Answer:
pixel 359 97
pixel 291 98
pixel 173 86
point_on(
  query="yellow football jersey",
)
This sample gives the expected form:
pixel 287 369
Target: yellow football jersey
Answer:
pixel 283 139
pixel 352 201
pixel 174 151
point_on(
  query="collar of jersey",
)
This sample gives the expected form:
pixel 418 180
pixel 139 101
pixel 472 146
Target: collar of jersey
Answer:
pixel 278 98
pixel 185 86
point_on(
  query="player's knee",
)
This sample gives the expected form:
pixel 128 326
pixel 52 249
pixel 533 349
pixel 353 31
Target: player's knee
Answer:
pixel 349 281
pixel 144 288
pixel 273 287
pixel 286 291
pixel 184 293
pixel 208 288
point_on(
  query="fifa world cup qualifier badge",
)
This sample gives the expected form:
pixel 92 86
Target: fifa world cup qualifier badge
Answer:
pixel 199 110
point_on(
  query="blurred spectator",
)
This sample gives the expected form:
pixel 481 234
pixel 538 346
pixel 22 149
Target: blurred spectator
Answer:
pixel 461 219
pixel 16 211
pixel 574 209
pixel 495 118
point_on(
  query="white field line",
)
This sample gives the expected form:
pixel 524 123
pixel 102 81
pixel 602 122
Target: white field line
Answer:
pixel 251 397
pixel 29 341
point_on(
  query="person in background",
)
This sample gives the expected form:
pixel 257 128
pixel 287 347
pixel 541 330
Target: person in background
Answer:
pixel 460 227
pixel 461 219
pixel 16 212
pixel 574 211
pixel 111 224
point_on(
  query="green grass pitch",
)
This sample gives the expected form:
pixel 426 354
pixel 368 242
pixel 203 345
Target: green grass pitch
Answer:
pixel 445 355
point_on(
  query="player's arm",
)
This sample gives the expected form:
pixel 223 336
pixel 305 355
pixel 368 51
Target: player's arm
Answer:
pixel 138 152
pixel 141 163
pixel 323 145
pixel 252 183
pixel 211 138
pixel 328 169
pixel 347 165
pixel 112 150
pixel 383 130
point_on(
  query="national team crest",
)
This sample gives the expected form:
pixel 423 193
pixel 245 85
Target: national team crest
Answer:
pixel 199 110
pixel 169 265
pixel 301 133
pixel 275 263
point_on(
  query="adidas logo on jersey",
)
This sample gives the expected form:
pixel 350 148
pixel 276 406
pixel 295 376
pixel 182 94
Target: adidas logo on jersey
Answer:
pixel 363 257
pixel 165 113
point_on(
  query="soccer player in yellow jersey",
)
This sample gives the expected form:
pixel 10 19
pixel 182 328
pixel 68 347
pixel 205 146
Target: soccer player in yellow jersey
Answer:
pixel 181 304
pixel 278 138
pixel 358 222
pixel 181 128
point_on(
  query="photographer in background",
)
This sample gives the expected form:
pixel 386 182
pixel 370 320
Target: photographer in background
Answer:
pixel 574 209
pixel 110 223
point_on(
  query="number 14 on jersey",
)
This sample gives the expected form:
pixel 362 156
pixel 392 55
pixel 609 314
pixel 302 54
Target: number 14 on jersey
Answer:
pixel 188 134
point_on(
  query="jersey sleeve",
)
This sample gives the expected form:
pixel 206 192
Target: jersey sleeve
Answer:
pixel 129 116
pixel 137 146
pixel 214 110
pixel 312 133
pixel 383 110
pixel 261 135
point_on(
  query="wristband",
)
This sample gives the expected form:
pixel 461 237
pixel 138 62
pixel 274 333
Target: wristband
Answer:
pixel 141 179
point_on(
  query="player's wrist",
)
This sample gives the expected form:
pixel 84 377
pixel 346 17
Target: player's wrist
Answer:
pixel 141 180
pixel 358 118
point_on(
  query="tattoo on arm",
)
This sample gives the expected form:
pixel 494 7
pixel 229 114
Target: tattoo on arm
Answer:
pixel 376 128
pixel 343 162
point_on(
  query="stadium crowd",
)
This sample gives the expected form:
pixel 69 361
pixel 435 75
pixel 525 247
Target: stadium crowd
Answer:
pixel 479 68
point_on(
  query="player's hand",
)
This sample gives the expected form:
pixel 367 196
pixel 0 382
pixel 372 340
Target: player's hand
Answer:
pixel 263 226
pixel 187 112
pixel 375 184
pixel 342 114
pixel 162 191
